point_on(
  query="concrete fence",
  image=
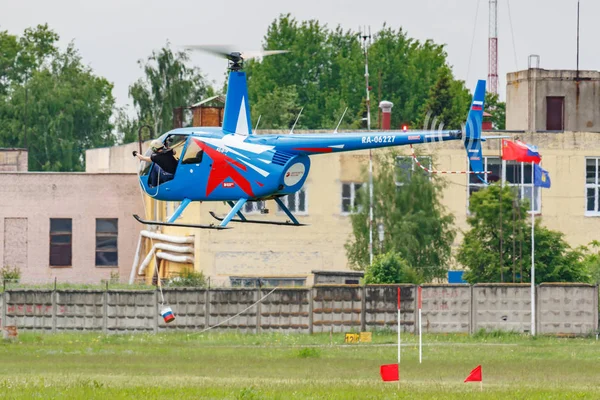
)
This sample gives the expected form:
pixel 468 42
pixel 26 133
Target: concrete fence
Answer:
pixel 570 309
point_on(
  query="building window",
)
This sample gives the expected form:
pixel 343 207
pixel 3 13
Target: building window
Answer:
pixel 518 176
pixel 254 207
pixel 592 186
pixel 511 173
pixel 406 167
pixel 555 112
pixel 107 232
pixel 253 282
pixel 61 234
pixel 492 164
pixel 350 193
pixel 296 202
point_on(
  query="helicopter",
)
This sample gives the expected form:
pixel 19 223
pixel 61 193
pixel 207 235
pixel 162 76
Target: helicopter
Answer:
pixel 232 164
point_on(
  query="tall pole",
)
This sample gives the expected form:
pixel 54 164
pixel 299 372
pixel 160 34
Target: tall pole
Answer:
pixel 577 39
pixel 26 101
pixel 366 42
pixel 419 300
pixel 532 254
pixel 399 328
pixel 493 48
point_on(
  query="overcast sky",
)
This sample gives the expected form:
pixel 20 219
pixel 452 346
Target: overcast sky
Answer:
pixel 112 35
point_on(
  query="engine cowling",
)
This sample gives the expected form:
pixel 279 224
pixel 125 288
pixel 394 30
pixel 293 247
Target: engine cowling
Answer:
pixel 294 174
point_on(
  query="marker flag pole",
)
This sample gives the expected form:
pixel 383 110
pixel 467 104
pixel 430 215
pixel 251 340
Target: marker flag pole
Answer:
pixel 399 328
pixel 532 252
pixel 420 327
pixel 399 338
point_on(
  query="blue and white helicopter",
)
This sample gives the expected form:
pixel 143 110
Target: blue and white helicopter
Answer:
pixel 232 164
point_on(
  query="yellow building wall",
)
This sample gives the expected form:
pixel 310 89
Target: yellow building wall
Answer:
pixel 269 250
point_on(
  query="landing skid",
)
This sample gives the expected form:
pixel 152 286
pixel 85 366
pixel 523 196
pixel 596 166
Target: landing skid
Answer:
pixel 255 221
pixel 211 226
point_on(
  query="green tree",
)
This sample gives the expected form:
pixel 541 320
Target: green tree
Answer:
pixel 479 252
pixel 279 107
pixel 327 67
pixel 416 226
pixel 168 82
pixel 497 109
pixel 20 56
pixel 390 268
pixel 591 260
pixel 52 103
pixel 447 105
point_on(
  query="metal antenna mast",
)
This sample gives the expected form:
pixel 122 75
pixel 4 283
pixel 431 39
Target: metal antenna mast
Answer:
pixel 493 48
pixel 366 42
pixel 577 76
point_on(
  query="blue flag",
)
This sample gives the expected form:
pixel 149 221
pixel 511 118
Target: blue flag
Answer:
pixel 541 177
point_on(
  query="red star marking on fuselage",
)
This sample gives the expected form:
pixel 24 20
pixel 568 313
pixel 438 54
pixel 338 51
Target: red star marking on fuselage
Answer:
pixel 222 168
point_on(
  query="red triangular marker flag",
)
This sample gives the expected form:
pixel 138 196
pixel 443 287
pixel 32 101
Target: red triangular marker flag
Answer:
pixel 475 375
pixel 389 372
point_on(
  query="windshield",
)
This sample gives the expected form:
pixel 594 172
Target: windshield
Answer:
pixel 145 166
pixel 174 142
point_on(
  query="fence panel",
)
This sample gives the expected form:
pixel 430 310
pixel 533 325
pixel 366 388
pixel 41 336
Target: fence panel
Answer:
pixel 226 303
pixel 79 310
pixel 567 309
pixel 505 307
pixel 189 307
pixel 337 308
pixel 285 310
pixel 131 311
pixel 446 308
pixel 381 307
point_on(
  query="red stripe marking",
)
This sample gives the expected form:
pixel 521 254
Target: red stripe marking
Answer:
pixel 222 169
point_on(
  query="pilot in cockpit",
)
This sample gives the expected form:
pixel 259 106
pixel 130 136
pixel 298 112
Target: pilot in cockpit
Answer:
pixel 164 160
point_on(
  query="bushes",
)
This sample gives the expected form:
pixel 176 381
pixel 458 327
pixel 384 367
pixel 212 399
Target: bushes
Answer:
pixel 188 278
pixel 12 274
pixel 390 268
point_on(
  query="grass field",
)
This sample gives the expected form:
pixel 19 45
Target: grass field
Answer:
pixel 246 366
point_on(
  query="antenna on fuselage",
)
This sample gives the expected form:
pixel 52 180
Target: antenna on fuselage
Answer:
pixel 338 125
pixel 257 122
pixel 296 121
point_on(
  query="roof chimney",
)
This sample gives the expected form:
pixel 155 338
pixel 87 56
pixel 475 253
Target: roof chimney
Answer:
pixel 386 114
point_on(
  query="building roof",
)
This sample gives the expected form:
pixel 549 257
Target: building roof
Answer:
pixel 220 98
pixel 339 273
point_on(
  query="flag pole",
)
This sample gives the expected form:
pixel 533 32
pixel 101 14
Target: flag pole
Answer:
pixel 420 328
pixel 399 338
pixel 532 252
pixel 399 328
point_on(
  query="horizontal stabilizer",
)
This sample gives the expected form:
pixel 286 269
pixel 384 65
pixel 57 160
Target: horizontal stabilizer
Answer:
pixel 484 138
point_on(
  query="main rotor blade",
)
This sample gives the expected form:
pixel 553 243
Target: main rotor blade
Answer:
pixel 226 51
pixel 247 55
pixel 219 50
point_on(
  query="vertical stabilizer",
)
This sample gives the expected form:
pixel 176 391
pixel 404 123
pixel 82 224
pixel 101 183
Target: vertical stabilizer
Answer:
pixel 237 106
pixel 472 137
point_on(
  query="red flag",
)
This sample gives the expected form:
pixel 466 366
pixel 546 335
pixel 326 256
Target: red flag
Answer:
pixel 475 375
pixel 389 372
pixel 519 151
pixel 398 298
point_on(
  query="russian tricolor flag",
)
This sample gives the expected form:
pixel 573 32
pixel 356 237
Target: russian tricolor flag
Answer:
pixel 477 105
pixel 167 314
